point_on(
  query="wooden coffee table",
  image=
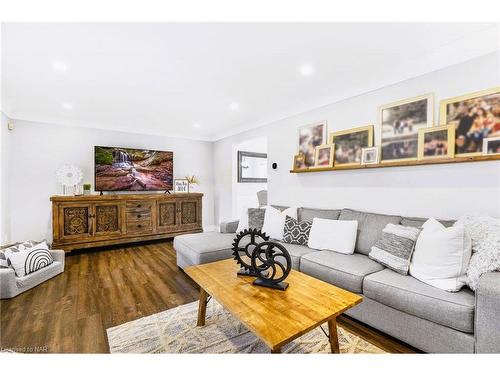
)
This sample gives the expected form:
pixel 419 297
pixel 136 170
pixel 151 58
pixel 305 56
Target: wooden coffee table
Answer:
pixel 276 317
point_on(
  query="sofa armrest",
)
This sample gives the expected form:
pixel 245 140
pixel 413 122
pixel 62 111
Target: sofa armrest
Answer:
pixel 8 287
pixel 487 328
pixel 58 255
pixel 229 226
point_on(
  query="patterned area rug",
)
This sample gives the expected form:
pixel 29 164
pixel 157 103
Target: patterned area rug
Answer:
pixel 175 331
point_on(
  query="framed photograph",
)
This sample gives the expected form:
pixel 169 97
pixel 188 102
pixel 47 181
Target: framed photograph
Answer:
pixel 436 142
pixel 399 125
pixel 181 185
pixel 476 117
pixel 324 156
pixel 491 146
pixel 299 162
pixel 349 143
pixel 370 155
pixel 311 136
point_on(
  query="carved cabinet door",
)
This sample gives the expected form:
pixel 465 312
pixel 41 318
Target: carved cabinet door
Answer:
pixel 108 219
pixel 189 213
pixel 167 216
pixel 75 221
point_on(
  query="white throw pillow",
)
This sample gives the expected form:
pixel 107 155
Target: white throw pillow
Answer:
pixel 334 235
pixel 441 256
pixel 30 260
pixel 274 221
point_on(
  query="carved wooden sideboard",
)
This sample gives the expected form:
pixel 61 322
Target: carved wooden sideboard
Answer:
pixel 99 220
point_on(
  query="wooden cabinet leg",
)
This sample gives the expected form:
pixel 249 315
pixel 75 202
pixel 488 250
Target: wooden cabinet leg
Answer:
pixel 202 307
pixel 334 338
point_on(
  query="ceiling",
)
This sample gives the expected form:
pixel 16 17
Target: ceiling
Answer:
pixel 210 80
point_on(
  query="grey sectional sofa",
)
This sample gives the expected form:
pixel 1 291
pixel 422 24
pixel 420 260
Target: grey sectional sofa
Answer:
pixel 425 317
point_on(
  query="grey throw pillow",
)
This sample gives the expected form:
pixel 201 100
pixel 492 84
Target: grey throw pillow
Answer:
pixel 395 247
pixel 296 232
pixel 256 218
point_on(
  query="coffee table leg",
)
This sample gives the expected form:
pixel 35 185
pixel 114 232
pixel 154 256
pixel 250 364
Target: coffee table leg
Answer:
pixel 334 338
pixel 202 307
pixel 276 351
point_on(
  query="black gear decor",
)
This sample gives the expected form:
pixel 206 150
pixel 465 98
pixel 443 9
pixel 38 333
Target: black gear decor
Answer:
pixel 242 254
pixel 272 264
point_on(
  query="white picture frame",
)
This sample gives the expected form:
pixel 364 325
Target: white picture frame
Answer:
pixel 486 145
pixel 181 185
pixel 370 155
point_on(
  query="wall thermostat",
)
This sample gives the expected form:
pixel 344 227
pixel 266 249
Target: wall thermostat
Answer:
pixel 275 166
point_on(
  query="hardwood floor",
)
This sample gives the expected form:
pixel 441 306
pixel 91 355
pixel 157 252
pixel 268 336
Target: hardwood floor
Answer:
pixel 104 288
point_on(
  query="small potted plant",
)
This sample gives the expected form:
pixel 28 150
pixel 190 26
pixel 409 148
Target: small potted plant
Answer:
pixel 86 189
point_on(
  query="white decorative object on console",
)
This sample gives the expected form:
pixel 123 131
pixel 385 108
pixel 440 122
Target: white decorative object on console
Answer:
pixel 69 175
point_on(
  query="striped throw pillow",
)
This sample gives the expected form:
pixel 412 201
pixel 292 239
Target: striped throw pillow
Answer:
pixel 395 247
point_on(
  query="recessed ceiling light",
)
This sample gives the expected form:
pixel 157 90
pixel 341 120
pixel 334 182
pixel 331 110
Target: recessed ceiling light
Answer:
pixel 306 70
pixel 234 106
pixel 196 125
pixel 67 106
pixel 59 66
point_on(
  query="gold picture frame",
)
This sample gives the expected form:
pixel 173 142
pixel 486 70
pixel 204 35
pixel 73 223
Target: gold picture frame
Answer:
pixel 441 149
pixel 410 139
pixel 299 162
pixel 333 139
pixel 331 156
pixel 457 101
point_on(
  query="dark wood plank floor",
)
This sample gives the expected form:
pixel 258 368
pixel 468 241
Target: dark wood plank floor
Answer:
pixel 103 288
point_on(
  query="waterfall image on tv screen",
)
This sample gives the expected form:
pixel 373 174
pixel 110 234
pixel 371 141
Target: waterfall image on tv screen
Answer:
pixel 118 168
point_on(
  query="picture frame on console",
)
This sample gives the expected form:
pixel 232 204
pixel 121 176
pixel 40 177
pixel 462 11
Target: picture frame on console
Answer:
pixel 399 123
pixel 475 116
pixel 181 185
pixel 436 142
pixel 309 137
pixel 324 156
pixel 349 143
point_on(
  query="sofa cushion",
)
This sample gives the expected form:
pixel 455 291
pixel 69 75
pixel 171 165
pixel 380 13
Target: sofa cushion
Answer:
pixel 297 252
pixel 308 214
pixel 417 222
pixel 370 227
pixel 200 248
pixel 407 294
pixel 344 271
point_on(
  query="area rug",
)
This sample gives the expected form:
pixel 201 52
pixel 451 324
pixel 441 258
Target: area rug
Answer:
pixel 175 331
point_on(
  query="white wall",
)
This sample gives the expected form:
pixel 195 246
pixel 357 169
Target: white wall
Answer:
pixel 244 194
pixel 443 191
pixel 37 150
pixel 4 172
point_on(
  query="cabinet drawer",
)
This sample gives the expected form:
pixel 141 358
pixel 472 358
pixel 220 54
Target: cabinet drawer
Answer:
pixel 144 226
pixel 139 206
pixel 139 216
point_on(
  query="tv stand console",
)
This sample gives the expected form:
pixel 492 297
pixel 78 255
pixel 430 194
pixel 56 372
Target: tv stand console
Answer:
pixel 87 221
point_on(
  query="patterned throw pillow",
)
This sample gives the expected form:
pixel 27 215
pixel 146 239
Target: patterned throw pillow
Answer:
pixel 18 246
pixel 30 259
pixel 296 232
pixel 256 218
pixel 395 247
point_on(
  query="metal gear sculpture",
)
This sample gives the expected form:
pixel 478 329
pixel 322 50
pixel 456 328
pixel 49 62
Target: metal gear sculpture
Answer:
pixel 242 250
pixel 272 264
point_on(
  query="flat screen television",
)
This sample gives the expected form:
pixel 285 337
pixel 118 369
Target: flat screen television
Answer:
pixel 131 169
